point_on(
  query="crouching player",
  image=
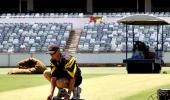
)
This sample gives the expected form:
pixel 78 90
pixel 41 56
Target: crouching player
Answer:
pixel 64 74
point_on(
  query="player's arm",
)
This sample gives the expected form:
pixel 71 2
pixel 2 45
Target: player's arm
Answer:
pixel 53 69
pixel 52 81
pixel 53 84
pixel 71 67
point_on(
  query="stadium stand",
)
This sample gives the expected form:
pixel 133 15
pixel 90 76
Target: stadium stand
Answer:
pixel 98 36
pixel 110 37
pixel 30 27
pixel 33 37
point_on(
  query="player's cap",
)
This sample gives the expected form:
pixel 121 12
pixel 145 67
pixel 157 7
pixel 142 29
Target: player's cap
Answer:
pixel 52 49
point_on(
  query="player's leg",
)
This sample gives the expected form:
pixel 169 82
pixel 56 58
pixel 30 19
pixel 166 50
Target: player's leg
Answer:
pixel 76 93
pixel 77 89
pixel 47 75
pixel 61 84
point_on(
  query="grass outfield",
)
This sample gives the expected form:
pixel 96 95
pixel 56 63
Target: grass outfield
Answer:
pixel 12 82
pixel 98 84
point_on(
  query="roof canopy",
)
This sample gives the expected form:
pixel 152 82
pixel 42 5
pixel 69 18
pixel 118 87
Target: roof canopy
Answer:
pixel 142 19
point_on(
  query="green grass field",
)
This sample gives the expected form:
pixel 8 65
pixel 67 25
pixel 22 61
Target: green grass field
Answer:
pixel 98 83
pixel 11 82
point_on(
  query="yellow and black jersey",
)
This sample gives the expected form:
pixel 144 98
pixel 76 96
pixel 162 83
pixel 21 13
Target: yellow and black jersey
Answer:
pixel 66 67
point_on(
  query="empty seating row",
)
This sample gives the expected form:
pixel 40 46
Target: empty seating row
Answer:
pixel 123 14
pixel 78 15
pixel 41 15
pixel 111 37
pixel 33 37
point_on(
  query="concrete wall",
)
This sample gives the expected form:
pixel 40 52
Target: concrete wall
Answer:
pixel 83 58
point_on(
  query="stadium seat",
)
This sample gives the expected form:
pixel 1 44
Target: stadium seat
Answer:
pixel 25 37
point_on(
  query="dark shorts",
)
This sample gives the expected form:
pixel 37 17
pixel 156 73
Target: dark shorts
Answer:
pixel 64 74
pixel 78 78
pixel 78 81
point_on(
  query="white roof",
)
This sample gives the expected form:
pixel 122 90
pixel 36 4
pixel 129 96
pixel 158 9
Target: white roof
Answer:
pixel 143 19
